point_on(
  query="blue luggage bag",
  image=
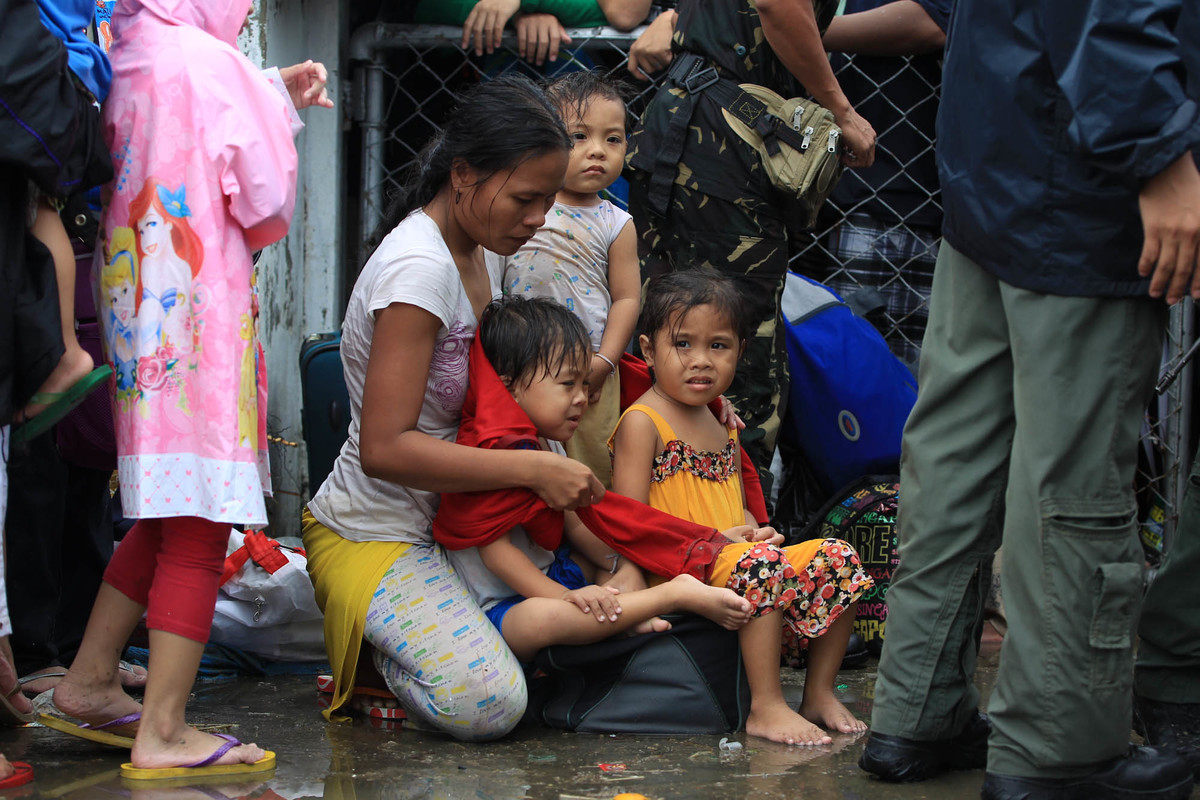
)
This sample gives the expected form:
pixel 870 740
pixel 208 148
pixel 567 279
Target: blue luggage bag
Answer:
pixel 849 396
pixel 326 413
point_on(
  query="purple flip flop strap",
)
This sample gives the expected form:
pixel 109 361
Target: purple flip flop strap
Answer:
pixel 114 723
pixel 230 743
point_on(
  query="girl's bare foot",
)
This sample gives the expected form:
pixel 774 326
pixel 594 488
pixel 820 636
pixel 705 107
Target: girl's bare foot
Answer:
pixel 189 746
pixel 828 712
pixel 776 721
pixel 74 365
pixel 96 704
pixel 720 605
pixel 652 625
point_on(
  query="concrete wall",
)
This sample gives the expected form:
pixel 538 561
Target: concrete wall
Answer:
pixel 300 278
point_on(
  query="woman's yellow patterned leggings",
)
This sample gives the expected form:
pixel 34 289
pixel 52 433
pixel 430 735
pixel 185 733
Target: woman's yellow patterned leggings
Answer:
pixel 445 662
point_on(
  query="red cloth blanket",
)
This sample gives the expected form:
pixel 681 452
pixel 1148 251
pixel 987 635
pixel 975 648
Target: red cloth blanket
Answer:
pixel 657 542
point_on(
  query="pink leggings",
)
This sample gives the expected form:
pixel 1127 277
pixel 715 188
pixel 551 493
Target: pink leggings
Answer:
pixel 172 566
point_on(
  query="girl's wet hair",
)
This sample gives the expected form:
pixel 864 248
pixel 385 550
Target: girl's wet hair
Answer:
pixel 575 91
pixel 526 338
pixel 496 126
pixel 670 296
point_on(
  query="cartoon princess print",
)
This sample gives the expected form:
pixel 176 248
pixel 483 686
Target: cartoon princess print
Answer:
pixel 118 296
pixel 170 255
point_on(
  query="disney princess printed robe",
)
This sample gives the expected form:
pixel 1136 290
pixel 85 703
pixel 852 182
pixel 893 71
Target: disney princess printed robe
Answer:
pixel 205 174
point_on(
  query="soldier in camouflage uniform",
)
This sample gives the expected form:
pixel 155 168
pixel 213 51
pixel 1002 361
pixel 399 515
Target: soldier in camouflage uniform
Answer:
pixel 719 209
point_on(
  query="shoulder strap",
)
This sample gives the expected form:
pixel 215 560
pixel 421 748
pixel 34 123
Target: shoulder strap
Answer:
pixel 665 431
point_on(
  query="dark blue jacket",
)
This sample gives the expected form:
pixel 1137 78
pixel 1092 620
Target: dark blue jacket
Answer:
pixel 1054 114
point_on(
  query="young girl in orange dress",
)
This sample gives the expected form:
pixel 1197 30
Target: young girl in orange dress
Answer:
pixel 670 451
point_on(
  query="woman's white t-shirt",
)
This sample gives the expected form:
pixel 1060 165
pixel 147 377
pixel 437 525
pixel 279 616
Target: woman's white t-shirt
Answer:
pixel 411 265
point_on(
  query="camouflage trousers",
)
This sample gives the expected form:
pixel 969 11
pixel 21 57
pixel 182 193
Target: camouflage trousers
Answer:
pixel 701 231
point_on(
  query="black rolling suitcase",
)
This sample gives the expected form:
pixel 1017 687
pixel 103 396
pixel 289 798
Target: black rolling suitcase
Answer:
pixel 326 413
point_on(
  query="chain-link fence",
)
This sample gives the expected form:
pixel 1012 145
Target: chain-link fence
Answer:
pixel 877 237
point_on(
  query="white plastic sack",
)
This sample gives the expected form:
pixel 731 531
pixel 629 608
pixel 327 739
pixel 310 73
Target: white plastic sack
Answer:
pixel 273 616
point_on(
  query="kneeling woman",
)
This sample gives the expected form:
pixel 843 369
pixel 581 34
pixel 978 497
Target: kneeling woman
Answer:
pixel 480 190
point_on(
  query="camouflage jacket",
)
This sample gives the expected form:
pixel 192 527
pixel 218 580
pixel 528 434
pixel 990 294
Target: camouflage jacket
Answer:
pixel 715 161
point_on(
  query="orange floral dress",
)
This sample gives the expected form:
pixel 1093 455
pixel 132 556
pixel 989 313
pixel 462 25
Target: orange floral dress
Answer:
pixel 704 487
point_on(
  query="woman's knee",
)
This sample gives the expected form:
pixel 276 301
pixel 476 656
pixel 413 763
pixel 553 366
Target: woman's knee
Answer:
pixel 485 706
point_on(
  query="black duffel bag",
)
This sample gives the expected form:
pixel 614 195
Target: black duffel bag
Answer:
pixel 688 680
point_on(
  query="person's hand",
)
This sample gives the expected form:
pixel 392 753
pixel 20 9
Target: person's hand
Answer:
pixel 739 533
pixel 858 140
pixel 306 84
pixel 596 377
pixel 651 51
pixel 728 416
pixel 598 600
pixel 485 24
pixel 539 37
pixel 1170 206
pixel 766 534
pixel 563 483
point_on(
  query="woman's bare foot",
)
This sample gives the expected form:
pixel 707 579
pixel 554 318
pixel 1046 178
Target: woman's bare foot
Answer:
pixel 828 712
pixel 96 704
pixel 720 605
pixel 652 625
pixel 133 676
pixel 8 686
pixel 189 746
pixel 779 723
pixel 6 768
pixel 74 365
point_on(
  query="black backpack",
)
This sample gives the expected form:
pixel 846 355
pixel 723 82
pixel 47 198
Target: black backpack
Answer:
pixel 688 680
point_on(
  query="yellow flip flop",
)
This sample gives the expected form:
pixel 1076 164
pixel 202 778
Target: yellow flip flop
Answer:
pixel 93 733
pixel 203 768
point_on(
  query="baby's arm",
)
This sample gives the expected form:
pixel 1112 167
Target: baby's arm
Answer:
pixel 509 564
pixel 624 286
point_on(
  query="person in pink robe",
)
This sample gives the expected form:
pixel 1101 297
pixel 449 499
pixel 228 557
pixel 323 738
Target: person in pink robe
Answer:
pixel 205 174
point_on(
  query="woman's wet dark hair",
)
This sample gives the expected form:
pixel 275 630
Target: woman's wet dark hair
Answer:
pixel 526 338
pixel 675 293
pixel 574 92
pixel 496 126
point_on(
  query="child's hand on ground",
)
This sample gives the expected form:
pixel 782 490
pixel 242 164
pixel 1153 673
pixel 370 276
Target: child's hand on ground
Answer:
pixel 599 600
pixel 539 37
pixel 766 534
pixel 306 84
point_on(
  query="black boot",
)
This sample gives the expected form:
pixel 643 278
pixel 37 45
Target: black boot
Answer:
pixel 856 653
pixel 1145 773
pixel 1173 727
pixel 894 758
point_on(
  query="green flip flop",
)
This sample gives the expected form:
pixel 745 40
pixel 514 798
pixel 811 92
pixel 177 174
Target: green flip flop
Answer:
pixel 59 404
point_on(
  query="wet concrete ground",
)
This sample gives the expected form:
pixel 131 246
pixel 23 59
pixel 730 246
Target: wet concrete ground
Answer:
pixel 364 761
